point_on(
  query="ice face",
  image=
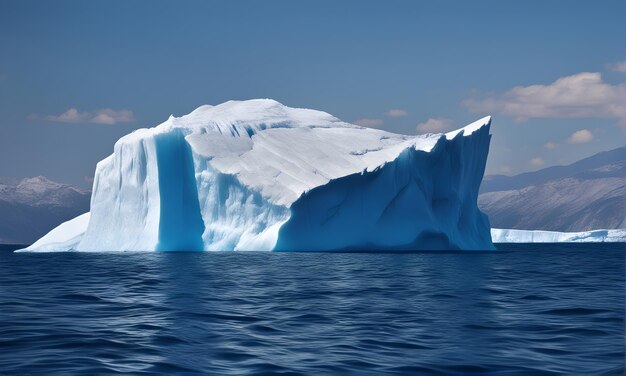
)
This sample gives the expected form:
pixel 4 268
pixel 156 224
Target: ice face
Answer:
pixel 419 201
pixel 257 175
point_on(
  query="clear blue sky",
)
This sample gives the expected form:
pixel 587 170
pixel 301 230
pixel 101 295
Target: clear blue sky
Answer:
pixel 451 62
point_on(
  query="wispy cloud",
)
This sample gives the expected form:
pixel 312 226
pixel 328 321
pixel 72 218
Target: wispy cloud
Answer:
pixel 550 145
pixel 101 116
pixel 434 125
pixel 617 67
pixel 580 137
pixel 365 122
pixel 582 95
pixel 536 162
pixel 396 112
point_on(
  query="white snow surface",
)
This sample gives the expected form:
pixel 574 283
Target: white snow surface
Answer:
pixel 64 237
pixel 227 177
pixel 539 236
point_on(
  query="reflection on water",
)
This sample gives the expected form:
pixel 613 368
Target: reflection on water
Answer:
pixel 536 310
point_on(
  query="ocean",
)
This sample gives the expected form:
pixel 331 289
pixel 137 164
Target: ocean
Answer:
pixel 523 310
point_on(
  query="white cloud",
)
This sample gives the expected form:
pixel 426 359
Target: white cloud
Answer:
pixel 101 116
pixel 550 145
pixel 618 67
pixel 70 116
pixel 582 95
pixel 365 122
pixel 536 162
pixel 396 112
pixel 109 116
pixel 434 125
pixel 580 137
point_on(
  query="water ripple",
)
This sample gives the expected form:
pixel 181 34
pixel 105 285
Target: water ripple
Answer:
pixel 545 310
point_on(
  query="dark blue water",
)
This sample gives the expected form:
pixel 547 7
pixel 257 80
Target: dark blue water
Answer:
pixel 534 310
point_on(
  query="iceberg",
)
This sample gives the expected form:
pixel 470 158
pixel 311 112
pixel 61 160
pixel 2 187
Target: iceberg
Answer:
pixel 260 176
pixel 538 236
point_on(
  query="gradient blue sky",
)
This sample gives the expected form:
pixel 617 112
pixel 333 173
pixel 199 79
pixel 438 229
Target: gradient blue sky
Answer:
pixel 124 65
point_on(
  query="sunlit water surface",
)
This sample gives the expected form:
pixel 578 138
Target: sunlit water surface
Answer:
pixel 528 310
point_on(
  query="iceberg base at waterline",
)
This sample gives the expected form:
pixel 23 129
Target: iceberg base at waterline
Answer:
pixel 66 236
pixel 260 176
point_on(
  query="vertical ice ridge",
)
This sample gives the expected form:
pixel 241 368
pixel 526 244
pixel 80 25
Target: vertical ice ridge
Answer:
pixel 125 202
pixel 180 222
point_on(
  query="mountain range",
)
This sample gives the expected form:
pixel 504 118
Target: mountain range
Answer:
pixel 31 207
pixel 585 195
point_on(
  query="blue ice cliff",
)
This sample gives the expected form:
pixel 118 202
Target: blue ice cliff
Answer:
pixel 257 175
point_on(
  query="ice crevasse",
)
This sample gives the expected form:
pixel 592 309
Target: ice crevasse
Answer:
pixel 257 175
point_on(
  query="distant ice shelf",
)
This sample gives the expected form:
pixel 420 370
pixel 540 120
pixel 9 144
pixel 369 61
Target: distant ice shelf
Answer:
pixel 260 176
pixel 527 236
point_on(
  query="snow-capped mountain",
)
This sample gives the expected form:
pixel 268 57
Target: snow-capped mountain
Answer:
pixel 587 195
pixel 31 207
pixel 258 175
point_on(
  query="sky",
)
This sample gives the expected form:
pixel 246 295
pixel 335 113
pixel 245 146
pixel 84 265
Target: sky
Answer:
pixel 77 75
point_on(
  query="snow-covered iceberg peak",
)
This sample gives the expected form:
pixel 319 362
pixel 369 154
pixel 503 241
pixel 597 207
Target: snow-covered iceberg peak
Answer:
pixel 240 118
pixel 258 175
